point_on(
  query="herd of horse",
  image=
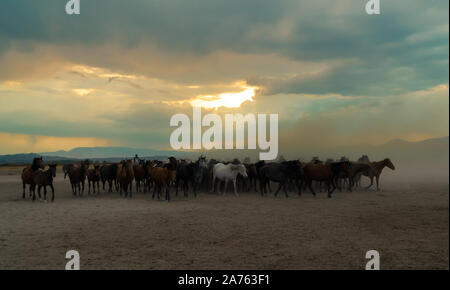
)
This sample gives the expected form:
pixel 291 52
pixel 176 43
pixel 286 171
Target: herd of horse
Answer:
pixel 206 175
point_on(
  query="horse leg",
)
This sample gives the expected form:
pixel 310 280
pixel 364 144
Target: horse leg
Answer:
pixel 34 193
pixel 53 192
pixel 371 182
pixel 261 187
pixel 234 185
pixel 351 183
pixel 225 186
pixel 23 192
pixel 378 181
pixel 333 187
pixel 213 183
pixel 167 193
pixel 278 189
pixel 299 186
pixel 186 188
pixel 45 192
pixel 39 191
pixel 309 184
pixel 285 191
pixel 89 187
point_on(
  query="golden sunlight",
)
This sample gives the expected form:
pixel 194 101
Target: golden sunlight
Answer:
pixel 229 100
pixel 82 92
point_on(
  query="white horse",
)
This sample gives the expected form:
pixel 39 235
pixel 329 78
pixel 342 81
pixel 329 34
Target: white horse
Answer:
pixel 227 173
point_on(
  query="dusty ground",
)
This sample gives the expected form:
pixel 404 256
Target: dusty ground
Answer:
pixel 408 225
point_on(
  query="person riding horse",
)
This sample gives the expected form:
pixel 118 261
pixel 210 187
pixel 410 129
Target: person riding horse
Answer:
pixel 137 160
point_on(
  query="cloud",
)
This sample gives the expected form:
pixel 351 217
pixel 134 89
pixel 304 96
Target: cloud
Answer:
pixel 23 143
pixel 403 49
pixel 118 71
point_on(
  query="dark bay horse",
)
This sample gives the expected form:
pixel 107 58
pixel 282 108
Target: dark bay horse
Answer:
pixel 326 173
pixel 357 177
pixel 125 176
pixel 93 176
pixel 66 168
pixel 375 170
pixel 44 178
pixel 77 176
pixel 282 173
pixel 28 173
pixel 139 176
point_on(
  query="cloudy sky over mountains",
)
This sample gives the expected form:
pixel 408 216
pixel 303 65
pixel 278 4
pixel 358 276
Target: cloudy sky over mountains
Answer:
pixel 115 74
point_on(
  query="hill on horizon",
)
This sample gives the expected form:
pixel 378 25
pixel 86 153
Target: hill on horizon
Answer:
pixel 435 149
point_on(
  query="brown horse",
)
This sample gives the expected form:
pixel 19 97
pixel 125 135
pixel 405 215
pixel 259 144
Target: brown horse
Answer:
pixel 375 170
pixel 66 168
pixel 93 176
pixel 326 172
pixel 77 175
pixel 44 178
pixel 139 176
pixel 125 176
pixel 162 177
pixel 28 172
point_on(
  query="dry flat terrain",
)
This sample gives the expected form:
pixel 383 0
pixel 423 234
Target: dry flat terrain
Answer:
pixel 408 225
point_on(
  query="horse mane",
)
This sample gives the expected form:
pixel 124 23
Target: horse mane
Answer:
pixel 34 165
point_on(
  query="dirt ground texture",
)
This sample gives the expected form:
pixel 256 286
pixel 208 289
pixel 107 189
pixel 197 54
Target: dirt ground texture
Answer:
pixel 408 225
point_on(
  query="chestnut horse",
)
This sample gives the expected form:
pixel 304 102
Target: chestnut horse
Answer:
pixel 28 172
pixel 162 177
pixel 375 170
pixel 325 172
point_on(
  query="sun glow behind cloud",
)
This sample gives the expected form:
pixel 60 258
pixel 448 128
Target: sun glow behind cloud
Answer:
pixel 229 100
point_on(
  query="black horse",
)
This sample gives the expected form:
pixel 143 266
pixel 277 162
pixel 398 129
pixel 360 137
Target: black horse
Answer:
pixel 193 173
pixel 282 173
pixel 108 173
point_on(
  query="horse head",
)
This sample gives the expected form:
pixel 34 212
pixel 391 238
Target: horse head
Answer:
pixel 38 163
pixel 52 168
pixel 202 162
pixel 387 162
pixel 240 168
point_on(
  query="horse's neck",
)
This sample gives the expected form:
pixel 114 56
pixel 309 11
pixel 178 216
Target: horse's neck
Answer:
pixel 380 165
pixel 48 173
pixel 34 166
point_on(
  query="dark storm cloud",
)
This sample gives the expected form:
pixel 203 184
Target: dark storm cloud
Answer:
pixel 403 49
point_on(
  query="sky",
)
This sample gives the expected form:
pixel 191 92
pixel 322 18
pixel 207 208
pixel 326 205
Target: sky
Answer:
pixel 115 74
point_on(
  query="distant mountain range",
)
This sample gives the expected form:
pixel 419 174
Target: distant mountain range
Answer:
pixel 436 149
pixel 432 150
pixel 114 152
